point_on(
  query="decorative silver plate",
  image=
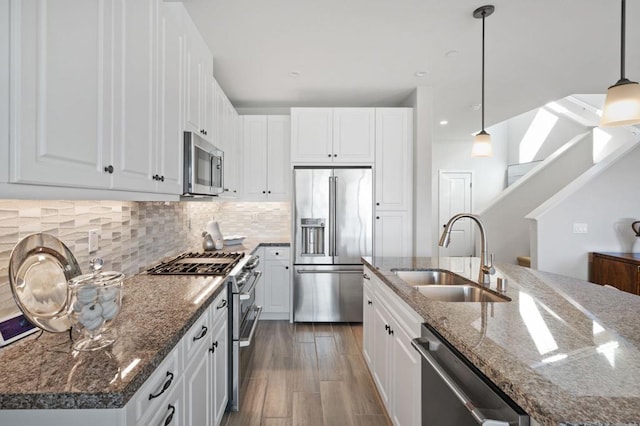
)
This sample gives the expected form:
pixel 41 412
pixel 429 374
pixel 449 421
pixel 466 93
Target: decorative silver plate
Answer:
pixel 39 268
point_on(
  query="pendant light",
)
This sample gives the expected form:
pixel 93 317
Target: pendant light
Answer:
pixel 622 106
pixel 482 143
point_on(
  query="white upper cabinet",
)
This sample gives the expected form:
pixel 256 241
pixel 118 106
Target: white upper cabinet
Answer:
pixel 169 148
pixel 60 126
pixel 114 119
pixel 353 135
pixel 134 72
pixel 332 135
pixel 266 147
pixel 394 137
pixel 200 90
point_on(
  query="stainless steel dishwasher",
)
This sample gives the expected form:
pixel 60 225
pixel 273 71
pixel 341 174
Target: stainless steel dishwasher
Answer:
pixel 454 393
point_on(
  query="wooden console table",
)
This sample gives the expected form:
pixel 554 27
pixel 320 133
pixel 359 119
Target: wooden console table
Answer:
pixel 620 270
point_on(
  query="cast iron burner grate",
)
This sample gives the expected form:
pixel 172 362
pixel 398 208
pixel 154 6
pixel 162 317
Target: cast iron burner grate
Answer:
pixel 208 263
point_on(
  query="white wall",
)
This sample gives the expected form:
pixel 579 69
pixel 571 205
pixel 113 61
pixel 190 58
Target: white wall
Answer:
pixel 504 219
pixel 421 102
pixel 606 198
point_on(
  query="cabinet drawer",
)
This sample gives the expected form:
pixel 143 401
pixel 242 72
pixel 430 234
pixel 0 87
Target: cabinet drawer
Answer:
pixel 276 253
pixel 196 337
pixel 154 392
pixel 219 307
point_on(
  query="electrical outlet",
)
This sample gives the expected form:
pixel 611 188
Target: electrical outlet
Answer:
pixel 580 228
pixel 94 239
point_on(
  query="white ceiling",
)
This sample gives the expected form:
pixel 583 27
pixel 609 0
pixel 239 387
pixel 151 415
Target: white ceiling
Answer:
pixel 366 53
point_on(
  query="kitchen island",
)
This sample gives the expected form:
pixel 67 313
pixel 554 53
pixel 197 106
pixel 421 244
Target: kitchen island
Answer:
pixel 565 350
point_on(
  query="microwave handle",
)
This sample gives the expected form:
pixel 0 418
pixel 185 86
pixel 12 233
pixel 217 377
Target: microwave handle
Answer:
pixel 211 165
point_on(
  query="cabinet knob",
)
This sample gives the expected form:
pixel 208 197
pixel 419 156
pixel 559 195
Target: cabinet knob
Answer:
pixel 264 192
pixel 386 327
pixel 169 419
pixel 365 276
pixel 369 302
pixel 268 192
pixel 286 267
pixel 328 155
pixel 155 177
pixel 335 155
pixel 377 204
pixel 378 217
pixel 213 347
pixel 108 169
pixel 161 178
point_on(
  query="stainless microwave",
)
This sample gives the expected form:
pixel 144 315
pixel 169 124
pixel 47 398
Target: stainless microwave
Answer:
pixel 203 166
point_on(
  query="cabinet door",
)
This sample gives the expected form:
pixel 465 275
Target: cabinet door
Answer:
pixel 278 163
pixel 209 111
pixel 197 388
pixel 233 167
pixel 276 286
pixel 199 66
pixel 406 383
pixel 254 135
pixel 170 89
pixel 382 346
pixel 220 367
pixel 619 274
pixel 311 135
pixel 367 321
pixel 60 123
pixel 393 167
pixel 134 152
pixel 353 135
pixel 392 234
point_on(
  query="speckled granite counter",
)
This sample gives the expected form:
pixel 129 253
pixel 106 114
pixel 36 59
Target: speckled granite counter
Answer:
pixel 42 371
pixel 567 351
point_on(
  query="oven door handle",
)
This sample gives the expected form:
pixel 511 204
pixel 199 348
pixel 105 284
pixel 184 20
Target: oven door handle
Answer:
pixel 246 295
pixel 422 345
pixel 334 271
pixel 246 341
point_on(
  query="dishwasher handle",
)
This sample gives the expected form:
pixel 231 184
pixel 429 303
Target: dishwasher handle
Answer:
pixel 419 345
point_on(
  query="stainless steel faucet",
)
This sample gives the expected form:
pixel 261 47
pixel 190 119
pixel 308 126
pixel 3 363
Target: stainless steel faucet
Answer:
pixel 486 260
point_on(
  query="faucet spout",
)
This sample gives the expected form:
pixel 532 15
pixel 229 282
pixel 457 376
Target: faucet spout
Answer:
pixel 486 260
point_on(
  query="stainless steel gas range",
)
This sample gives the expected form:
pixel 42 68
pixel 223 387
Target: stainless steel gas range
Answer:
pixel 242 276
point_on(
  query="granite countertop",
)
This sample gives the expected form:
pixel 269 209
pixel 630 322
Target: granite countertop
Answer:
pixel 565 350
pixel 43 371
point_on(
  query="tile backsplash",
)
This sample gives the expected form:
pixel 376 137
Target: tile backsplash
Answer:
pixel 133 235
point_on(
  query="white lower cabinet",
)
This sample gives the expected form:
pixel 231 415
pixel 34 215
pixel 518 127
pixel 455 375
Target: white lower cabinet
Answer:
pixel 275 286
pixel 392 234
pixel 389 324
pixel 220 361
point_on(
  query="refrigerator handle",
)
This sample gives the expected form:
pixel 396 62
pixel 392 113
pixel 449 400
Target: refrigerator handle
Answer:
pixel 334 249
pixel 332 201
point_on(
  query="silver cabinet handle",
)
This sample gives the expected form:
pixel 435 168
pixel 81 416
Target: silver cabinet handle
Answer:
pixel 418 345
pixel 246 341
pixel 366 277
pixel 342 271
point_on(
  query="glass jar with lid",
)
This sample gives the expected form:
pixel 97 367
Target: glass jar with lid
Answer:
pixel 96 300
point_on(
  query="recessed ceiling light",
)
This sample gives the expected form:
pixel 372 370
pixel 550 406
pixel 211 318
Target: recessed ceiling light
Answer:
pixel 451 54
pixel 420 73
pixel 294 74
pixel 443 122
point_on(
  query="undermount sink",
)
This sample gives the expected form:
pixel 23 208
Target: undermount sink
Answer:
pixel 430 276
pixel 445 286
pixel 459 293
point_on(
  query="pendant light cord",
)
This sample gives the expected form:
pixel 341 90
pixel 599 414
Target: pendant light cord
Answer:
pixel 622 39
pixel 483 16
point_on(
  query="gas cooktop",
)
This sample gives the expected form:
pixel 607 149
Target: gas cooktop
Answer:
pixel 207 263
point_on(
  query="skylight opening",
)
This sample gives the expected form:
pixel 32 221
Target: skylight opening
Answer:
pixel 536 134
pixel 600 141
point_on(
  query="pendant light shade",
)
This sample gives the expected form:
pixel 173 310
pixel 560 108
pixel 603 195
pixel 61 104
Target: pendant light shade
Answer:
pixel 622 105
pixel 482 144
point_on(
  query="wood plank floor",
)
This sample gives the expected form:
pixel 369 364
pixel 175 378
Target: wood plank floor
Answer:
pixel 308 374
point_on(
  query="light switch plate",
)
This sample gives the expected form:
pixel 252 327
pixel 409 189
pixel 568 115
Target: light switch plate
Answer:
pixel 580 228
pixel 94 238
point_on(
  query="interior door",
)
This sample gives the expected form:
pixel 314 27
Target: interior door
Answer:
pixel 455 197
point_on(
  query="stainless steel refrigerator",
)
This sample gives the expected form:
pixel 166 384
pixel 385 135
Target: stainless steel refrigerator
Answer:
pixel 333 228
